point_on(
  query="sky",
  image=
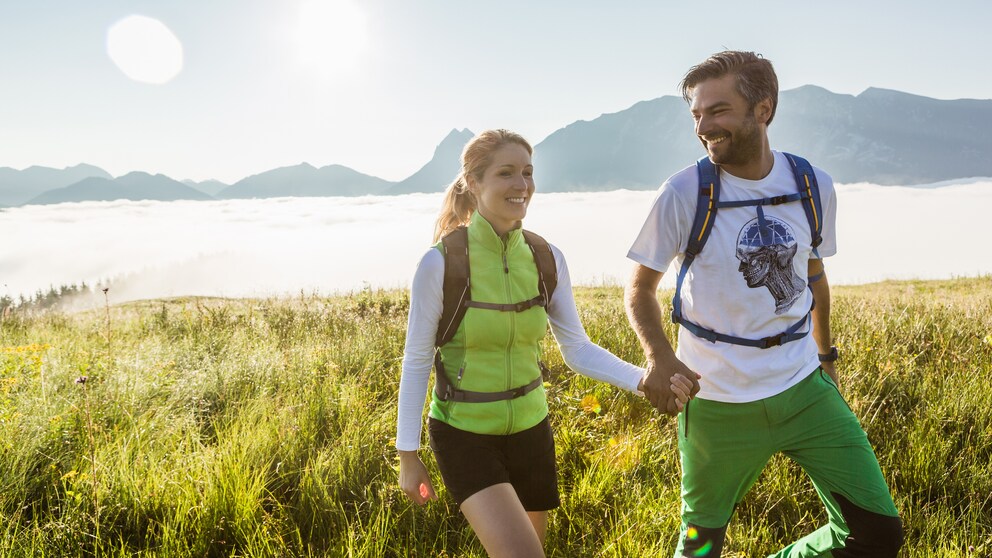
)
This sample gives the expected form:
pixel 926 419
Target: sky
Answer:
pixel 375 85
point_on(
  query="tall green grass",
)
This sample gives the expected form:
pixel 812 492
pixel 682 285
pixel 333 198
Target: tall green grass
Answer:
pixel 210 427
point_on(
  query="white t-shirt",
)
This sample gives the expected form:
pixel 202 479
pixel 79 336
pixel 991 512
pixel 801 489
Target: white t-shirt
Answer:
pixel 716 294
pixel 426 302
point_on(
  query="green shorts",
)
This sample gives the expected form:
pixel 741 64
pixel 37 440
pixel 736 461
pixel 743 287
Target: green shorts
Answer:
pixel 725 446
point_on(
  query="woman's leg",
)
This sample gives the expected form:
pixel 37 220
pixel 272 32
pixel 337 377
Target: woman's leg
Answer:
pixel 540 521
pixel 501 523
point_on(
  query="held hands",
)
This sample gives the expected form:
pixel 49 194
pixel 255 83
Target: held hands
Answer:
pixel 669 385
pixel 415 481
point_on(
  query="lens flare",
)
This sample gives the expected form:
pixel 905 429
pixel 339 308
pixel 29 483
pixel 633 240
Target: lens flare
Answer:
pixel 145 50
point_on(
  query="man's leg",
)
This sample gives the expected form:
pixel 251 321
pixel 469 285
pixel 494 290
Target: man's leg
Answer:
pixel 825 438
pixel 723 447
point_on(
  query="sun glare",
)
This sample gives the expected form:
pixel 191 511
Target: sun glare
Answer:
pixel 331 35
pixel 145 49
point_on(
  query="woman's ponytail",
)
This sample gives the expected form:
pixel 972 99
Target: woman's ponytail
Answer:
pixel 457 208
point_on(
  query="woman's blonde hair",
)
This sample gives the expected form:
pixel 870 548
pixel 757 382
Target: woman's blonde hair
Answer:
pixel 459 202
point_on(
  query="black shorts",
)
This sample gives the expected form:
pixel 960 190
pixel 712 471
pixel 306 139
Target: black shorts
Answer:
pixel 471 462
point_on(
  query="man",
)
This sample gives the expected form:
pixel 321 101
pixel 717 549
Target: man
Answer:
pixel 768 383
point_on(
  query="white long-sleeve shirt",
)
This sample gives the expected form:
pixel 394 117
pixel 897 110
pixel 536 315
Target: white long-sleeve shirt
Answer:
pixel 426 302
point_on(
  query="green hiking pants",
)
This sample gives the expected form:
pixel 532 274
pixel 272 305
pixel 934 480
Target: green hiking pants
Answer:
pixel 724 447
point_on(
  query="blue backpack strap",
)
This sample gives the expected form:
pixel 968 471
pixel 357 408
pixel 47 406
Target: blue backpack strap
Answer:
pixel 707 203
pixel 806 183
pixel 707 200
pixel 791 334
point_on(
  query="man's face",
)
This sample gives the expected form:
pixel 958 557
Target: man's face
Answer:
pixel 725 125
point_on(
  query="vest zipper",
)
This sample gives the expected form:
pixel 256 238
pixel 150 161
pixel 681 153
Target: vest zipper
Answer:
pixel 509 346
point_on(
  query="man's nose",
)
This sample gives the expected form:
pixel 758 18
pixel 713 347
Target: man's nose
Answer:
pixel 702 124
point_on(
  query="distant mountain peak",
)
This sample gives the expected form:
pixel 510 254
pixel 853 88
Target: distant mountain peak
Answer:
pixel 454 137
pixel 441 169
pixel 137 174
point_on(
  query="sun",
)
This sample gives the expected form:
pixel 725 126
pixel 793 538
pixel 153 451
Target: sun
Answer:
pixel 331 35
pixel 145 49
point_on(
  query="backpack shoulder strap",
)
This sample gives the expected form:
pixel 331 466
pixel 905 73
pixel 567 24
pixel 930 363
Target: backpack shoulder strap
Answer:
pixel 707 200
pixel 806 183
pixel 706 206
pixel 547 270
pixel 457 284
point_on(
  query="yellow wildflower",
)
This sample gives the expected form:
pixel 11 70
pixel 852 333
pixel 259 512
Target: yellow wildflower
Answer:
pixel 590 404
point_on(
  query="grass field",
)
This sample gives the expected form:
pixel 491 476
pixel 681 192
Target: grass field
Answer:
pixel 209 427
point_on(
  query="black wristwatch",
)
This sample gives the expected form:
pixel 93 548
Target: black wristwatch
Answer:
pixel 829 357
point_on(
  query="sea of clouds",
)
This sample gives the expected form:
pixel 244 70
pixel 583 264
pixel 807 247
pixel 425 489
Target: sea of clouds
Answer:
pixel 282 246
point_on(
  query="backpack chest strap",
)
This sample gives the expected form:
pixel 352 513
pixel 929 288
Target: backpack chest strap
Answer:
pixel 774 200
pixel 538 300
pixel 446 391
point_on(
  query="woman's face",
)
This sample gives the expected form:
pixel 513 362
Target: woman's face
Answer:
pixel 505 189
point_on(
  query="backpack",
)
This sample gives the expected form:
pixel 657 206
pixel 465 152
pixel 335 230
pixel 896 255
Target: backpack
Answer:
pixel 457 297
pixel 707 204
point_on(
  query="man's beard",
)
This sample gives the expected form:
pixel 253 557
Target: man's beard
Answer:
pixel 745 145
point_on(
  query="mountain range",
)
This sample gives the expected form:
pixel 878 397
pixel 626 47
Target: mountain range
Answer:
pixel 879 136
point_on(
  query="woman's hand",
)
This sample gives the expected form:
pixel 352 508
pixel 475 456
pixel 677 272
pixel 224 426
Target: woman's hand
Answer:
pixel 682 390
pixel 414 478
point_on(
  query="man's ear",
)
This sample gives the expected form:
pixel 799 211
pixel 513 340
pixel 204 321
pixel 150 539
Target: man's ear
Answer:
pixel 763 110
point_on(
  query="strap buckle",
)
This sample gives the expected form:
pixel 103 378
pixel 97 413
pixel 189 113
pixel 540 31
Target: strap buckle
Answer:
pixel 447 393
pixel 778 200
pixel 773 341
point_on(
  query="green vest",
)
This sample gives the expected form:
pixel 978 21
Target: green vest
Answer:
pixel 493 350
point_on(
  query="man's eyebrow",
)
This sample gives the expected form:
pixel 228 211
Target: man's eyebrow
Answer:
pixel 716 105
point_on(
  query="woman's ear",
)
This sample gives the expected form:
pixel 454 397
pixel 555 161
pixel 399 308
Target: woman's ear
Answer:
pixel 471 185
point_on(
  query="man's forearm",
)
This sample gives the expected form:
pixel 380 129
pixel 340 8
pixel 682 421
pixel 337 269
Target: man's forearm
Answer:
pixel 821 314
pixel 644 314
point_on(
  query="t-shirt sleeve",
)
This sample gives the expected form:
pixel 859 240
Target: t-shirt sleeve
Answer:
pixel 577 350
pixel 663 235
pixel 426 303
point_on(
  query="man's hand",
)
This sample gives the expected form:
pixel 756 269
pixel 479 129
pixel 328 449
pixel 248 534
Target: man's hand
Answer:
pixel 668 385
pixel 828 367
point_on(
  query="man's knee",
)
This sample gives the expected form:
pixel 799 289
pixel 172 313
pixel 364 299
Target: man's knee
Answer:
pixel 703 541
pixel 872 534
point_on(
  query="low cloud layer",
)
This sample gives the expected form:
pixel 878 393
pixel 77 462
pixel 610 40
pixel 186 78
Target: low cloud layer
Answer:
pixel 284 246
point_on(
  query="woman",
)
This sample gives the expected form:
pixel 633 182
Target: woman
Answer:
pixel 497 458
